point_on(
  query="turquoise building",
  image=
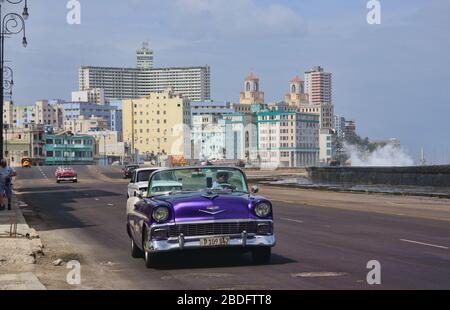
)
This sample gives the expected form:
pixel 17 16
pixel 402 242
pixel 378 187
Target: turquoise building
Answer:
pixel 69 149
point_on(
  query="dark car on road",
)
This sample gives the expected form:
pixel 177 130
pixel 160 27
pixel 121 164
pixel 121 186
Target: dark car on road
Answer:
pixel 128 171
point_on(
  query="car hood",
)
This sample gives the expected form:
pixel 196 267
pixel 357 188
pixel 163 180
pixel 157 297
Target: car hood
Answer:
pixel 206 206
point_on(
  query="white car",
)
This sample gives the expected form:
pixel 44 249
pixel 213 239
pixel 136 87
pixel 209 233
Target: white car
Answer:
pixel 139 181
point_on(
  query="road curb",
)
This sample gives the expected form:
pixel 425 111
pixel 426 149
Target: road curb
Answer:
pixel 20 246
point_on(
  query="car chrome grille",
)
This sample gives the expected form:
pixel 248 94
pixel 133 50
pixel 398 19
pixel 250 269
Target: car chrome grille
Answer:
pixel 208 229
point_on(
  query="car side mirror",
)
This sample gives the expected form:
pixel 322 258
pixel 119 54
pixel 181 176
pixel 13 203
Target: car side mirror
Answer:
pixel 255 189
pixel 140 194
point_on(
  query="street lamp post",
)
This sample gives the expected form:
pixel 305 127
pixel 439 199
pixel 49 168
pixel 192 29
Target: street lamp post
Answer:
pixel 8 82
pixel 105 156
pixel 11 23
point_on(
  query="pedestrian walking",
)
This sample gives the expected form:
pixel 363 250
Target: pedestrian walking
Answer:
pixel 6 185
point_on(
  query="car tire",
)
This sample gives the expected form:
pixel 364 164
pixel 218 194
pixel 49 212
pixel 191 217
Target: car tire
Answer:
pixel 58 182
pixel 135 251
pixel 261 255
pixel 150 259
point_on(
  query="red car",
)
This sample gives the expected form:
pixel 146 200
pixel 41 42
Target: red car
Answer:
pixel 64 174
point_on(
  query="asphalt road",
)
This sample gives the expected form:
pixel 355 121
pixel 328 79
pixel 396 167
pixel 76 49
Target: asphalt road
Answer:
pixel 320 245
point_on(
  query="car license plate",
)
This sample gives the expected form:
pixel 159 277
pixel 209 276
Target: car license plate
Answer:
pixel 216 241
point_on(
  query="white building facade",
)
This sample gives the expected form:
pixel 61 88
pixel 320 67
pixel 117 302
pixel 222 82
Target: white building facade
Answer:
pixel 288 139
pixel 193 83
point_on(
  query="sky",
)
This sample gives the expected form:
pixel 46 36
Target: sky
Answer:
pixel 392 78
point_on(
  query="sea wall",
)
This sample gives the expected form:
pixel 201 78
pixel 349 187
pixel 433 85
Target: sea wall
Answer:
pixel 437 176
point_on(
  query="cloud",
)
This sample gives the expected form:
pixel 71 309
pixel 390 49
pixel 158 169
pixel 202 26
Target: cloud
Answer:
pixel 236 19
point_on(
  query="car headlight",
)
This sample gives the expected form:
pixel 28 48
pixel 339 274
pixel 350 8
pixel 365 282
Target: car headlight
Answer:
pixel 160 214
pixel 263 209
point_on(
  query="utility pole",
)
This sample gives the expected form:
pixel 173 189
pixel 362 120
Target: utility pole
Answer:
pixel 105 157
pixel 11 23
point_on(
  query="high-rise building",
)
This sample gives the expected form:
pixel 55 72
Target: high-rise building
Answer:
pixel 193 83
pixel 158 123
pixel 127 83
pixel 252 93
pixel 318 85
pixel 144 57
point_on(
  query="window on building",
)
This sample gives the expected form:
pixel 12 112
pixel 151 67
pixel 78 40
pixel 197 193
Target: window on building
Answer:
pixel 49 154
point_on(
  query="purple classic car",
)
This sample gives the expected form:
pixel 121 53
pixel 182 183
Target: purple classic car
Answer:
pixel 196 208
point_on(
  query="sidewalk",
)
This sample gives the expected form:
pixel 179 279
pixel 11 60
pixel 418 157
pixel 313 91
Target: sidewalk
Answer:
pixel 19 245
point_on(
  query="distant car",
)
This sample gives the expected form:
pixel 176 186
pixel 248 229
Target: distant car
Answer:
pixel 128 171
pixel 215 209
pixel 139 181
pixel 26 162
pixel 66 174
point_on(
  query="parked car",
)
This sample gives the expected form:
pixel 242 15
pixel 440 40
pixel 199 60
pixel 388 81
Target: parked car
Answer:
pixel 66 174
pixel 214 209
pixel 128 170
pixel 139 181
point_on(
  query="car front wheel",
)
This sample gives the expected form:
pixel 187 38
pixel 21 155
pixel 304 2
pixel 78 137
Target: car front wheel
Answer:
pixel 135 251
pixel 149 258
pixel 261 255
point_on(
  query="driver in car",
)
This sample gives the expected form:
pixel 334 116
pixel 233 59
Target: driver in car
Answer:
pixel 222 180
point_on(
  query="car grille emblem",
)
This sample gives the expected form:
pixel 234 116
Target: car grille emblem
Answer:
pixel 212 210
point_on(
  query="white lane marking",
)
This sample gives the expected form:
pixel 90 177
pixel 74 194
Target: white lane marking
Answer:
pixel 291 220
pixel 425 244
pixel 318 274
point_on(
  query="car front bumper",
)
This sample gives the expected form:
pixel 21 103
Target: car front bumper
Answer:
pixel 243 240
pixel 67 179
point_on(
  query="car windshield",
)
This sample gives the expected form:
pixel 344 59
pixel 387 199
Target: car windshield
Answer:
pixel 144 176
pixel 197 179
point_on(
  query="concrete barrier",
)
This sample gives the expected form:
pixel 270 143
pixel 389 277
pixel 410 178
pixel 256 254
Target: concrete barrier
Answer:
pixel 437 176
